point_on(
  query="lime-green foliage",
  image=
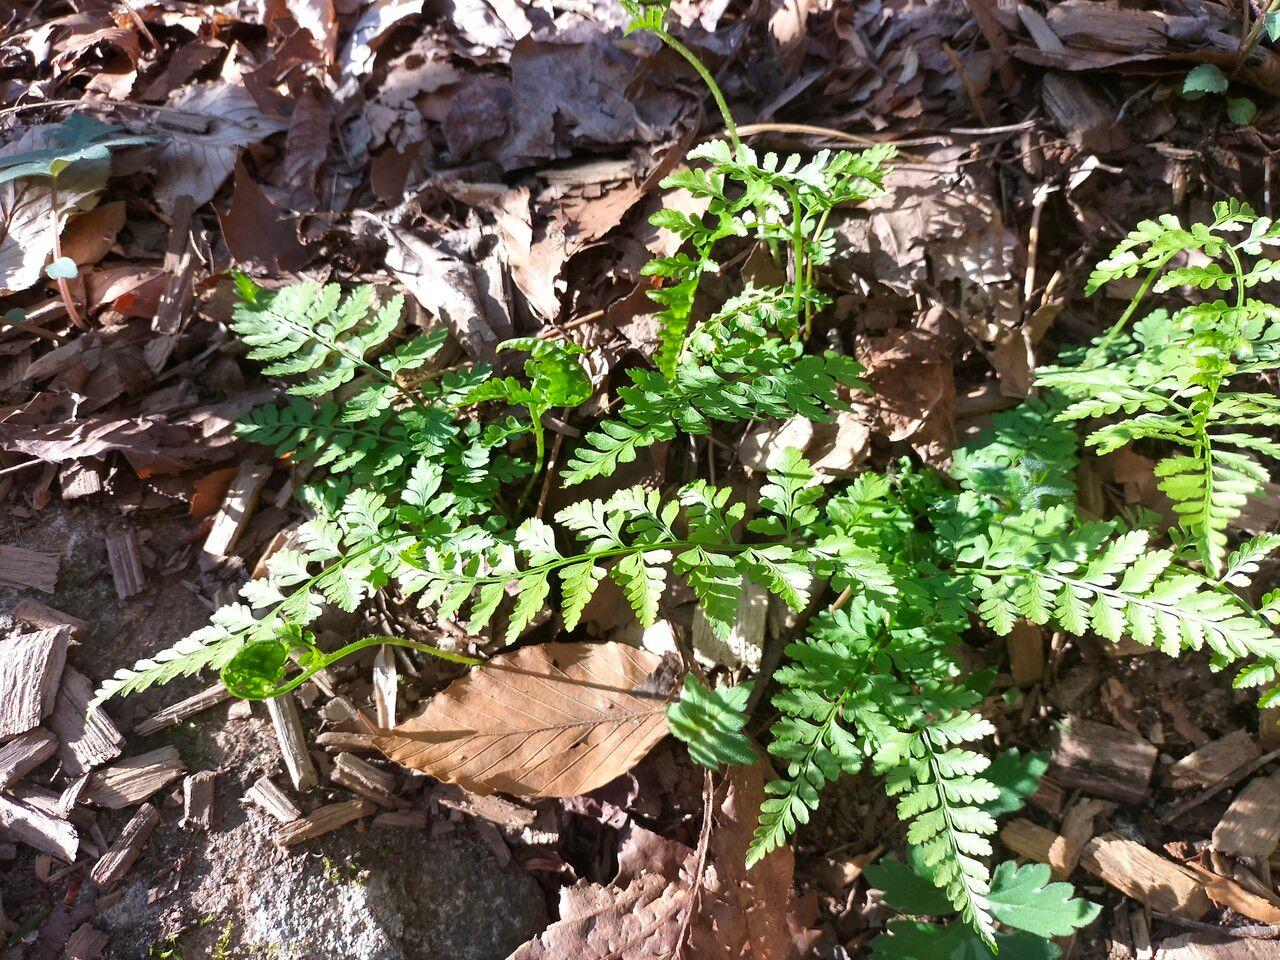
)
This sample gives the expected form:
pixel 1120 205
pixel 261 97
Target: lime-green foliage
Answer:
pixel 78 138
pixel 1168 380
pixel 710 722
pixel 401 470
pixel 876 684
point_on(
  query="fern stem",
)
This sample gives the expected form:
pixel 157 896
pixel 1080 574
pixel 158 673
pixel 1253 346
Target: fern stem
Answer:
pixel 329 659
pixel 1099 350
pixel 730 127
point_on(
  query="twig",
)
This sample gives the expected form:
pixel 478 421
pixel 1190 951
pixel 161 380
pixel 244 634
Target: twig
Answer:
pixel 970 92
pixel 704 844
pixel 57 255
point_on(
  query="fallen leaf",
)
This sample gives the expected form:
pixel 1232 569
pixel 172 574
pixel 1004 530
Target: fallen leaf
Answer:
pixel 26 207
pixel 555 720
pixel 381 16
pixel 89 236
pixel 256 233
pixel 195 164
pixel 738 914
pixel 305 147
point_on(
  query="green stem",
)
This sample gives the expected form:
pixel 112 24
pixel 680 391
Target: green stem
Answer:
pixel 328 659
pixel 730 127
pixel 1099 349
pixel 809 269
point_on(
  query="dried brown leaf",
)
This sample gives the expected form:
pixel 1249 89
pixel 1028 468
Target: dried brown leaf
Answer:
pixel 554 720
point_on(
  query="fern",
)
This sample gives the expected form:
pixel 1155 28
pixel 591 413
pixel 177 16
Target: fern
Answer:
pixel 1167 382
pixel 710 722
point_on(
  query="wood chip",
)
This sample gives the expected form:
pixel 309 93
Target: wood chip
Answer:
pixel 43 617
pixel 362 777
pixel 20 567
pixel 233 516
pixel 272 799
pixel 1251 825
pixel 88 738
pixel 385 685
pixel 134 779
pixel 24 753
pixel 1034 842
pixel 340 740
pixel 1104 761
pixel 31 666
pixel 1145 876
pixel 126 564
pixel 179 711
pixel 122 854
pixel 402 820
pixel 744 646
pixel 1217 758
pixel 1026 653
pixel 495 809
pixel 38 828
pixel 197 800
pixel 324 820
pixel 1228 893
pixel 293 745
pixel 85 944
pixel 1201 946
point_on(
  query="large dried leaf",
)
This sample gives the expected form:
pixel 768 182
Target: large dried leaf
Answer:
pixel 555 720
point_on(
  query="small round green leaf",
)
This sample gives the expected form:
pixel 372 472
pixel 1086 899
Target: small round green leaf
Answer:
pixel 1241 110
pixel 64 268
pixel 256 671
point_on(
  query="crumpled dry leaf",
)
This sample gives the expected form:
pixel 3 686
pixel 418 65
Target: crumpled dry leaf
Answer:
pixel 554 720
pixel 740 914
pixel 26 209
pixel 152 444
pixel 357 56
pixel 196 164
pixel 460 295
pixel 573 89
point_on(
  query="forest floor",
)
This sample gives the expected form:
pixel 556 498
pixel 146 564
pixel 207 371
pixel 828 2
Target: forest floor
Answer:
pixel 497 161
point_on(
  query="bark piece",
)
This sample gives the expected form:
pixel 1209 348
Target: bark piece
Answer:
pixel 31 666
pixel 268 796
pixel 293 745
pixel 197 800
pixel 237 507
pixel 498 810
pixel 85 944
pixel 176 713
pixel 385 678
pixel 115 863
pixel 24 753
pixel 1211 946
pixel 324 820
pixel 1145 876
pixel 1087 121
pixel 1217 758
pixel 1104 761
pixel 1026 653
pixel 362 777
pixel 402 820
pixel 88 738
pixel 1251 825
pixel 126 564
pixel 43 617
pixel 134 779
pixel 744 646
pixel 1037 843
pixel 38 828
pixel 1228 893
pixel 340 740
pixel 20 567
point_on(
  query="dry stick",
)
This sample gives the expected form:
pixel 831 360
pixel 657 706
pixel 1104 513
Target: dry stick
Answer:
pixel 551 472
pixel 969 89
pixel 1230 780
pixel 704 844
